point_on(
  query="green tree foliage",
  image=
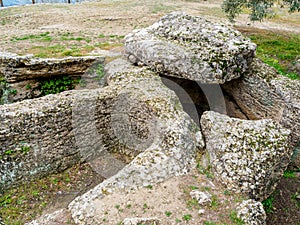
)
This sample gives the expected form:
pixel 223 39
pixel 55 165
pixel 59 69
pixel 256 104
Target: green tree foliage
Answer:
pixel 259 9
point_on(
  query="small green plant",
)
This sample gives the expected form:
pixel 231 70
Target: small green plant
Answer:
pixel 192 203
pixel 206 171
pixel 100 72
pixel 28 87
pixel 214 201
pixel 56 85
pixel 177 220
pixel 13 91
pixel 227 192
pixel 210 223
pixel 149 187
pixel 187 217
pixel 41 37
pixel 168 214
pixel 289 174
pixel 234 218
pixel 295 199
pixel 25 149
pixel 194 188
pixel 268 204
pixel 145 206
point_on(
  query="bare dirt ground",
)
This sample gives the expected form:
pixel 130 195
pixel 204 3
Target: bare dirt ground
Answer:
pixel 88 27
pixel 60 30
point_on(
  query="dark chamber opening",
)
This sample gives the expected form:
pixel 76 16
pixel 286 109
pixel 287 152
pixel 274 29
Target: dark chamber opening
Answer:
pixel 196 98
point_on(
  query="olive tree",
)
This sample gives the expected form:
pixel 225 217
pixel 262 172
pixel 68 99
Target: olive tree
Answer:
pixel 259 8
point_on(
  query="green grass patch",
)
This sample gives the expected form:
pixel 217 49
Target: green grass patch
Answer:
pixel 279 50
pixel 234 218
pixel 289 174
pixel 26 202
pixel 268 204
pixel 39 37
pixel 56 85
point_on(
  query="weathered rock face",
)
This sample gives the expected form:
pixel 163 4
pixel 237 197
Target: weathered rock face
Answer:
pixel 289 91
pixel 193 48
pixel 136 112
pixel 16 68
pixel 176 141
pixel 252 212
pixel 254 93
pixel 263 93
pixel 23 75
pixel 246 156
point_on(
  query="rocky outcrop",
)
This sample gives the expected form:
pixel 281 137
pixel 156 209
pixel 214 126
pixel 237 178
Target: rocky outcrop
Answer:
pixel 135 113
pixel 172 151
pixel 16 68
pixel 23 76
pixel 246 156
pixel 263 93
pixel 252 212
pixel 203 198
pixel 190 47
pixel 289 91
pixel 254 93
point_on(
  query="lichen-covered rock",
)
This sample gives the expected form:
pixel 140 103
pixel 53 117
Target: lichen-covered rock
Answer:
pixel 203 198
pixel 15 68
pixel 254 94
pixel 289 91
pixel 135 113
pixel 246 156
pixel 137 221
pixel 174 140
pixel 252 212
pixel 190 47
pixel 263 93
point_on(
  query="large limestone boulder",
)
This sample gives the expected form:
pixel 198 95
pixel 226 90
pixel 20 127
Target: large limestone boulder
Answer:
pixel 15 68
pixel 246 156
pixel 176 141
pixel 191 47
pixel 263 93
pixel 134 114
pixel 289 91
pixel 22 77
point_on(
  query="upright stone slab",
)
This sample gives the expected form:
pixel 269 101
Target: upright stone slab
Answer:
pixel 263 93
pixel 246 156
pixel 191 47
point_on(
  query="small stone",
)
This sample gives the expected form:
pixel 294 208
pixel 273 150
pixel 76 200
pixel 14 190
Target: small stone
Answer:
pixel 252 212
pixel 203 198
pixel 137 221
pixel 201 211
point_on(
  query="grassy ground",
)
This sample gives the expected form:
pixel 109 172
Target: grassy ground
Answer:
pixel 26 202
pixel 277 49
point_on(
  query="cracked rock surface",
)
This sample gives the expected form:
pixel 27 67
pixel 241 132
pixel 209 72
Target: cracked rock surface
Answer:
pixel 246 156
pixel 191 47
